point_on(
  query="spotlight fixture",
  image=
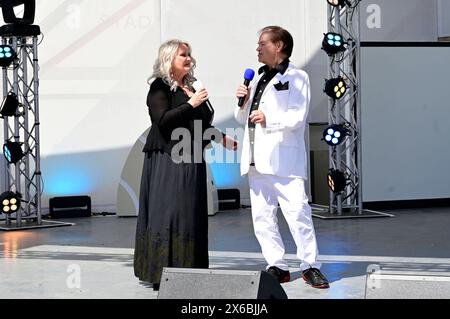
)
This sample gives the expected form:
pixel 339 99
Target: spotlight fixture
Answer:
pixel 10 202
pixel 335 88
pixel 333 43
pixel 13 152
pixel 7 55
pixel 337 3
pixel 9 105
pixel 335 134
pixel 9 14
pixel 336 180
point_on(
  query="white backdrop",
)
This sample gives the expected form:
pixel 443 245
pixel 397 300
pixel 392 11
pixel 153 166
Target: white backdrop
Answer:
pixel 405 114
pixel 95 58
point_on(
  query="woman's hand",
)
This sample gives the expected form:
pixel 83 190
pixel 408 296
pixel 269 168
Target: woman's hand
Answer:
pixel 198 98
pixel 229 143
pixel 243 91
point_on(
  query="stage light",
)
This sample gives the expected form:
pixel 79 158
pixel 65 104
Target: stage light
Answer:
pixel 9 105
pixel 337 3
pixel 335 134
pixel 333 43
pixel 335 88
pixel 336 180
pixel 10 202
pixel 13 152
pixel 9 14
pixel 7 55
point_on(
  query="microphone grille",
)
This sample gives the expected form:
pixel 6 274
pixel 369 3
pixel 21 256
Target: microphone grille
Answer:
pixel 249 74
pixel 197 85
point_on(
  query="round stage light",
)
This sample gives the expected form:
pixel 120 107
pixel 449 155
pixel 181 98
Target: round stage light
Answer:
pixel 336 180
pixel 10 202
pixel 7 55
pixel 9 105
pixel 335 134
pixel 337 3
pixel 333 43
pixel 13 152
pixel 335 88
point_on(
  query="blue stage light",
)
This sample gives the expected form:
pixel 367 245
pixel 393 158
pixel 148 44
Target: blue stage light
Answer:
pixel 7 55
pixel 13 152
pixel 333 43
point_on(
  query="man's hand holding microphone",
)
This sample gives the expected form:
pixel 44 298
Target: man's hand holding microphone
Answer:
pixel 243 93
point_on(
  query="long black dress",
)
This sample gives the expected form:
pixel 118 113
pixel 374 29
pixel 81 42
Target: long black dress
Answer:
pixel 172 226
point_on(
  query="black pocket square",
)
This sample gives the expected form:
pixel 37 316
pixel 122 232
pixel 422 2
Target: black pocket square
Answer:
pixel 282 86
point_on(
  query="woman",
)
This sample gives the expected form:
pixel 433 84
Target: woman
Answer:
pixel 172 227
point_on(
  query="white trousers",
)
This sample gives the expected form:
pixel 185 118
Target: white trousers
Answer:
pixel 266 191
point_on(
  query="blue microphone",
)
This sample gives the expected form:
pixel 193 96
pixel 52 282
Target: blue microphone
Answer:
pixel 248 76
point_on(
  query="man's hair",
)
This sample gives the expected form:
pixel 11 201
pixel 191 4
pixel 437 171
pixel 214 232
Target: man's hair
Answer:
pixel 278 34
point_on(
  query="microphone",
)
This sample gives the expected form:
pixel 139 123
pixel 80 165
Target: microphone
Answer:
pixel 198 85
pixel 248 76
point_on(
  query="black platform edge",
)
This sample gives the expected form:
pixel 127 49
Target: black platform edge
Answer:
pixel 408 204
pixel 20 30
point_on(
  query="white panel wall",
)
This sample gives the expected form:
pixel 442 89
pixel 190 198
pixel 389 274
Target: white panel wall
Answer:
pixel 95 59
pixel 96 56
pixel 405 113
pixel 399 20
pixel 444 18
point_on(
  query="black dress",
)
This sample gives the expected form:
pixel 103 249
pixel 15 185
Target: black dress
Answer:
pixel 172 226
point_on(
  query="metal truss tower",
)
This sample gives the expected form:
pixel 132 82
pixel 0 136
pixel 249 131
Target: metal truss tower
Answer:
pixel 24 176
pixel 346 157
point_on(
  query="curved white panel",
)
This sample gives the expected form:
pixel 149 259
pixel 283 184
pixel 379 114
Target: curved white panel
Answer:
pixel 130 179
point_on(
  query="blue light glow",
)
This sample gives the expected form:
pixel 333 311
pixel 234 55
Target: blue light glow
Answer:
pixel 65 179
pixel 7 154
pixel 226 175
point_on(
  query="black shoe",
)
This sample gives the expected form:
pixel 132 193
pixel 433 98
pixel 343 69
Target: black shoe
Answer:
pixel 315 278
pixel 279 274
pixel 155 286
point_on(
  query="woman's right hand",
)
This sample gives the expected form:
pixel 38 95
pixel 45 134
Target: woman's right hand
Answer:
pixel 198 98
pixel 242 91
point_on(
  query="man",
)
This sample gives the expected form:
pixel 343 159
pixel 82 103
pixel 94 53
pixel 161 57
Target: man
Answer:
pixel 274 155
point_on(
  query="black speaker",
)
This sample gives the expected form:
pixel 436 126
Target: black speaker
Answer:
pixel 70 206
pixel 190 283
pixel 229 198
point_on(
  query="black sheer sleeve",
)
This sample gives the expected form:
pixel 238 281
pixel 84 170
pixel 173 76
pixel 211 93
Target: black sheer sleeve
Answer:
pixel 160 110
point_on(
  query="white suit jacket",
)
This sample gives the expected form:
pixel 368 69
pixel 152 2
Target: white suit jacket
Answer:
pixel 279 148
